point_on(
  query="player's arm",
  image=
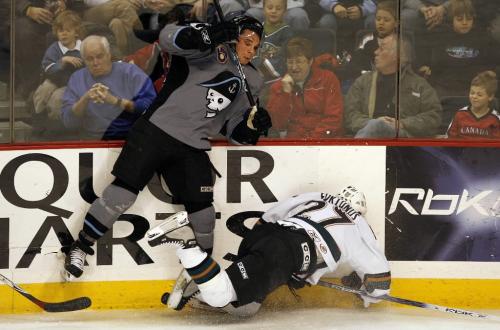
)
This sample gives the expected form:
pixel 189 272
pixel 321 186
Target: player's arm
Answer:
pixel 281 210
pixel 196 39
pixel 246 129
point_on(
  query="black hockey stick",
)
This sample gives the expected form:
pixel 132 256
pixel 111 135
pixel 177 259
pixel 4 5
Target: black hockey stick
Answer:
pixel 413 303
pixel 63 306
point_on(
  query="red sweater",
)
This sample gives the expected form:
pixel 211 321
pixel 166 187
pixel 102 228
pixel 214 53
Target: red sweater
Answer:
pixel 314 112
pixel 466 125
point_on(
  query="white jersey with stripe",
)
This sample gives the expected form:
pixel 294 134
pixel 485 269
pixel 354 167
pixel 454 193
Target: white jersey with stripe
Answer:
pixel 325 217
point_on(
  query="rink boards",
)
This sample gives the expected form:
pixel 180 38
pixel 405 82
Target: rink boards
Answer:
pixel 45 193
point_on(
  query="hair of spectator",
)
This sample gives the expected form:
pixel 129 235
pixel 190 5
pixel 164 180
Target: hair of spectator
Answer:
pixel 461 8
pixel 486 80
pixel 298 46
pixel 104 42
pixel 389 6
pixel 68 18
pixel 285 3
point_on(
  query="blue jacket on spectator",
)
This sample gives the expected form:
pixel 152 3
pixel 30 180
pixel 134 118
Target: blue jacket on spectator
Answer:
pixel 106 121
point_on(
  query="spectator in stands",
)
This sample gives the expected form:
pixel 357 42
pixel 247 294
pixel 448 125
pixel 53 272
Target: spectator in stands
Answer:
pixel 61 59
pixel 370 107
pixel 119 15
pixel 270 59
pixel 295 15
pixel 452 57
pixel 346 17
pixel 307 102
pixel 33 23
pixel 105 98
pixel 386 25
pixel 479 120
pixel 420 15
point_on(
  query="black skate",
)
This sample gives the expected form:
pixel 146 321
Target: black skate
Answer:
pixel 75 260
pixel 175 230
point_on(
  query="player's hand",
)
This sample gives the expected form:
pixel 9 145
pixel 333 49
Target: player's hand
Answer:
pixel 40 15
pixel 72 60
pixel 287 83
pixel 262 120
pixel 352 280
pixel 258 119
pixel 209 36
pixel 354 13
pixel 340 11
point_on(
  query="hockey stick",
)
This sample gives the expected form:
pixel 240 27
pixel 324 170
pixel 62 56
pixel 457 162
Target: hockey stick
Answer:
pixel 243 77
pixel 413 303
pixel 63 306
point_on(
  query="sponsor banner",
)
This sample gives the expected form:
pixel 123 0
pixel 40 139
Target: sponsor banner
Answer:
pixel 443 204
pixel 46 193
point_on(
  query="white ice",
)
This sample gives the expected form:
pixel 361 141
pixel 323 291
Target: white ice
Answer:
pixel 303 319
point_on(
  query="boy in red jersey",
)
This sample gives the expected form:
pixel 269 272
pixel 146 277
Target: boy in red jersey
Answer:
pixel 479 120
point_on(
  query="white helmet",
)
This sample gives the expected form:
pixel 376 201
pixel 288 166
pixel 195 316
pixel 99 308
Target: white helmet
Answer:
pixel 355 198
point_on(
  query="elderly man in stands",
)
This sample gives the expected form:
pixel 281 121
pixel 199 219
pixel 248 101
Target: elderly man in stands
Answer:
pixel 370 106
pixel 104 99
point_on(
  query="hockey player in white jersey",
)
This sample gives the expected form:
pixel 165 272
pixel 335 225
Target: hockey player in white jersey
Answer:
pixel 295 242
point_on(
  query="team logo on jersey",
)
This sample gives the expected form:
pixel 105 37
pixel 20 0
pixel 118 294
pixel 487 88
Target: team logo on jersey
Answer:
pixel 222 90
pixel 222 55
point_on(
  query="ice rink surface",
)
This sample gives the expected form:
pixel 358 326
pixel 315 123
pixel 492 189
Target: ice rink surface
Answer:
pixel 315 319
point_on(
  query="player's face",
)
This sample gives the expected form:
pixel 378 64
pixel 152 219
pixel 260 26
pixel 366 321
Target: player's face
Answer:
pixel 479 98
pixel 298 67
pixel 67 35
pixel 462 24
pixel 274 11
pixel 247 46
pixel 97 59
pixel 385 23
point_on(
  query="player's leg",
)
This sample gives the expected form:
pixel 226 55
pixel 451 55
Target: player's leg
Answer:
pixel 191 180
pixel 133 169
pixel 274 254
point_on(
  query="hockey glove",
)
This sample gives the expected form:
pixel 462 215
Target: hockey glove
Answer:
pixel 352 280
pixel 259 120
pixel 209 36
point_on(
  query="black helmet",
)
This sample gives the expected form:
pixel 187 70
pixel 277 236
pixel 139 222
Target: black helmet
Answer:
pixel 245 22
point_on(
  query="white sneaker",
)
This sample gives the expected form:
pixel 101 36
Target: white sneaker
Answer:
pixel 175 230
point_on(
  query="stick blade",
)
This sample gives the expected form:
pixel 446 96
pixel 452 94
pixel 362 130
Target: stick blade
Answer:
pixel 67 306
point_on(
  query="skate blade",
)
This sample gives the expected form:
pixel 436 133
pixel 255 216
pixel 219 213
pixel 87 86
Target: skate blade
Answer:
pixel 66 276
pixel 175 221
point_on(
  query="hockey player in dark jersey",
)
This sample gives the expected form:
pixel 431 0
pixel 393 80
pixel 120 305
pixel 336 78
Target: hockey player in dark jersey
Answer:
pixel 295 242
pixel 203 96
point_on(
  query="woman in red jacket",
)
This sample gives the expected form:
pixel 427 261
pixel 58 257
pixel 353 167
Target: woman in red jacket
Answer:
pixel 307 101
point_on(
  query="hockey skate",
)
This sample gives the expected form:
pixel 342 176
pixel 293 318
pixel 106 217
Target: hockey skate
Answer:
pixel 175 230
pixel 184 289
pixel 75 261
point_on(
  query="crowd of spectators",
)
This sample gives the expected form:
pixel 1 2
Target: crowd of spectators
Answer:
pixel 395 67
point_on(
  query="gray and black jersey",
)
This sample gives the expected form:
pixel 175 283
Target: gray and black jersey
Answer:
pixel 208 94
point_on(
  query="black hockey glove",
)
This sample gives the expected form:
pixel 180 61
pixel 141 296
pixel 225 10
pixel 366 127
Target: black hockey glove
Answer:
pixel 209 36
pixel 261 120
pixel 352 280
